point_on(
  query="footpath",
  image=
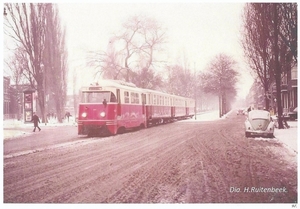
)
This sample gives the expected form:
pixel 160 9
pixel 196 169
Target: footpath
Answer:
pixel 288 137
pixel 14 128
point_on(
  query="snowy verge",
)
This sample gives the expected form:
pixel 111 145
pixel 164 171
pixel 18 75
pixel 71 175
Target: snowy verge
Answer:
pixel 288 137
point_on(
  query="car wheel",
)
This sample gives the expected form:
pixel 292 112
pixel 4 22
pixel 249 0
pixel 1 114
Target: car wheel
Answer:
pixel 247 134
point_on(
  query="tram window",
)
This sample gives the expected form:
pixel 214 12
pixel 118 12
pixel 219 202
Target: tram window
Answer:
pixel 137 98
pixel 113 97
pixel 95 97
pixel 134 98
pixel 126 96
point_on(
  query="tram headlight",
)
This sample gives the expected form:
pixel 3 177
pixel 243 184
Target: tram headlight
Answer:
pixel 84 114
pixel 102 114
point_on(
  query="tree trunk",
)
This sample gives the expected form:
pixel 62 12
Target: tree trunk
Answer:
pixel 267 102
pixel 277 68
pixel 41 102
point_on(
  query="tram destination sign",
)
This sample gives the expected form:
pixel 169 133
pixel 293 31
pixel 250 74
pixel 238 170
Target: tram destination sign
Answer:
pixel 95 88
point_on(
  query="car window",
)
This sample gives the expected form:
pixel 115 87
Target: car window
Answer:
pixel 259 114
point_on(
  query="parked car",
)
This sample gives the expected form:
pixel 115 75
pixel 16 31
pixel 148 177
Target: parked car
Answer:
pixel 259 124
pixel 240 112
pixel 293 115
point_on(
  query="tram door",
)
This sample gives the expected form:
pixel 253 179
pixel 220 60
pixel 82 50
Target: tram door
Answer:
pixel 172 108
pixel 186 109
pixel 143 103
pixel 119 103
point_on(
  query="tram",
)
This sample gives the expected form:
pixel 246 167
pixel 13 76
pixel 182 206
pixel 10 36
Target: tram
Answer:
pixel 112 107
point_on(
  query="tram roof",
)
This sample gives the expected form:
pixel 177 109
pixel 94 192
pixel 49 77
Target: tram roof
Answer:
pixel 130 86
pixel 165 94
pixel 116 84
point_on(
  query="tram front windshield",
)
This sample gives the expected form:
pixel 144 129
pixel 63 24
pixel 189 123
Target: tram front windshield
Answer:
pixel 97 97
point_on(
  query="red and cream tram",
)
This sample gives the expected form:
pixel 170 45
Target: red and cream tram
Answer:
pixel 114 106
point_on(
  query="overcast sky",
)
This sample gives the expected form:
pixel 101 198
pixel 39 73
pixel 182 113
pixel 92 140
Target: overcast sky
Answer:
pixel 198 31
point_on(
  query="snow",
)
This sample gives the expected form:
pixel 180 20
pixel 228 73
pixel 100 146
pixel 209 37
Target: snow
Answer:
pixel 208 116
pixel 17 128
pixel 288 137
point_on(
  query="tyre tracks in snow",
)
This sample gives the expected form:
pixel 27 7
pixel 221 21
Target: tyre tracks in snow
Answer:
pixel 184 162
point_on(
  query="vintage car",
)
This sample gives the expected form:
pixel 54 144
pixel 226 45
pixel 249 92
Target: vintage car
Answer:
pixel 259 124
pixel 240 111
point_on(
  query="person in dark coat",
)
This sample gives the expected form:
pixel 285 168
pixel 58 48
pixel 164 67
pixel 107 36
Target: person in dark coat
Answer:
pixel 249 109
pixel 36 122
pixel 68 115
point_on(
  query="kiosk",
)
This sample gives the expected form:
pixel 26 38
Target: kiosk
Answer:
pixel 28 105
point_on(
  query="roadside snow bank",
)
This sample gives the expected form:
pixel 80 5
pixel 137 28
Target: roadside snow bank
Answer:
pixel 288 136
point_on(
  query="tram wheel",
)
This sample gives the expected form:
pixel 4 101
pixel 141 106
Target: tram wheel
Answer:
pixel 142 126
pixel 121 130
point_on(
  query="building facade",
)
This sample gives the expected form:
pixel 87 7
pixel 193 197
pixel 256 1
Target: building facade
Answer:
pixel 289 95
pixel 289 90
pixel 13 99
pixel 6 99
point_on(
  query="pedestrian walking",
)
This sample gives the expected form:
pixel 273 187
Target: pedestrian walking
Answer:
pixel 249 109
pixel 36 122
pixel 68 115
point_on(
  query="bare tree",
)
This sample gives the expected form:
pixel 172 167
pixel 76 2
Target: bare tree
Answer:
pixel 220 80
pixel 107 64
pixel 154 37
pixel 180 81
pixel 277 67
pixel 24 23
pixel 18 66
pixel 132 53
pixel 270 43
pixel 55 61
pixel 147 78
pixel 29 25
pixel 257 44
pixel 284 39
pixel 288 30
